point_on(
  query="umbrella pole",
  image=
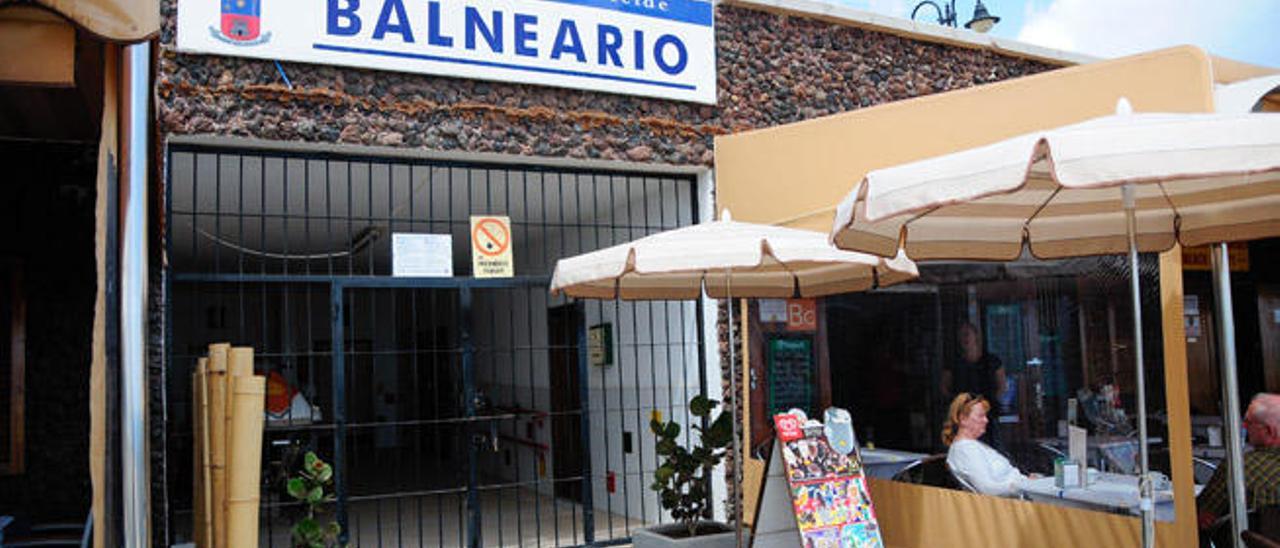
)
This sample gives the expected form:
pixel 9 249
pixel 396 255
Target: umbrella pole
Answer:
pixel 1145 500
pixel 1230 388
pixel 735 503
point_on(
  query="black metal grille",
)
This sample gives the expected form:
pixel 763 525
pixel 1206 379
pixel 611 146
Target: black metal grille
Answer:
pixel 457 411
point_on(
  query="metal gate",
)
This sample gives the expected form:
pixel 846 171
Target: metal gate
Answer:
pixel 456 411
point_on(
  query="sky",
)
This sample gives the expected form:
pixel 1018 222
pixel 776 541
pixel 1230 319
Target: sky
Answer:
pixel 1245 30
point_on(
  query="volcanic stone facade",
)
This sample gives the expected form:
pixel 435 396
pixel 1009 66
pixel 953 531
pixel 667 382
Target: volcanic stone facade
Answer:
pixel 773 69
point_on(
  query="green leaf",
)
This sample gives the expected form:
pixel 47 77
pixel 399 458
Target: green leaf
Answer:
pixel 665 447
pixel 673 430
pixel 324 474
pixel 655 426
pixel 315 495
pixel 297 488
pixel 664 473
pixel 720 434
pixel 701 406
pixel 670 499
pixel 310 459
pixel 306 530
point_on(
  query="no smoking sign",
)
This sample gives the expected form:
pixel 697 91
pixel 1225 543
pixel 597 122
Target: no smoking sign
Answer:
pixel 491 247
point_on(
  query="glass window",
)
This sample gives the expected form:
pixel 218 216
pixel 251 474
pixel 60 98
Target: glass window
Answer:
pixel 1047 344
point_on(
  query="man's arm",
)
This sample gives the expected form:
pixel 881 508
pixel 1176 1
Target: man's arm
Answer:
pixel 1212 501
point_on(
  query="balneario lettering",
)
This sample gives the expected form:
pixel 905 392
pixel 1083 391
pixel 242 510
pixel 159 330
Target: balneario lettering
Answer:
pixel 490 30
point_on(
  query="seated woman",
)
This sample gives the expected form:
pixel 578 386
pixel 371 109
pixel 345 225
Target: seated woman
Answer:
pixel 982 467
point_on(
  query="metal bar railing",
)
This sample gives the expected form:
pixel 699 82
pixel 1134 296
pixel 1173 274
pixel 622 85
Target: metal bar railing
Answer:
pixel 280 245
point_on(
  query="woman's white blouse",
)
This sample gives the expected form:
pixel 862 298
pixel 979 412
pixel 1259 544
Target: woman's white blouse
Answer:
pixel 984 468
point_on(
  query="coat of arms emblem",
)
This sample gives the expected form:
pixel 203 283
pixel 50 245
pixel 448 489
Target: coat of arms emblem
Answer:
pixel 241 23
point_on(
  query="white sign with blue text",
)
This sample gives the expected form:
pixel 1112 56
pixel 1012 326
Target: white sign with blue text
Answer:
pixel 653 48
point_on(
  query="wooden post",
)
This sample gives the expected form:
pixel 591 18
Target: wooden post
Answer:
pixel 1177 397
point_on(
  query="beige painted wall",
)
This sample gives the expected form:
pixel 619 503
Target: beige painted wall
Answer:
pixel 758 172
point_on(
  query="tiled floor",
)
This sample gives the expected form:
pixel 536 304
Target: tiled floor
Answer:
pixel 510 518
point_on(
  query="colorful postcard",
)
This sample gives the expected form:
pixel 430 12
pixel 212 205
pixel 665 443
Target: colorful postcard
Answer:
pixel 829 494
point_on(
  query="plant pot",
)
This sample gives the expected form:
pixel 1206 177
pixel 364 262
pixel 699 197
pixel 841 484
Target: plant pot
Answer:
pixel 717 535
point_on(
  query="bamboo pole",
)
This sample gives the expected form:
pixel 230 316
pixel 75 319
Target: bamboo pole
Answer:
pixel 199 520
pixel 239 365
pixel 206 465
pixel 245 459
pixel 218 439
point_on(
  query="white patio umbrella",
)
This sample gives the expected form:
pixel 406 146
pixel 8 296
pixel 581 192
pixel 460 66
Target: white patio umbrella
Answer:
pixel 1119 184
pixel 728 260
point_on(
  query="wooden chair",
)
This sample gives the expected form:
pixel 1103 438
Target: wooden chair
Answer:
pixel 69 535
pixel 1253 539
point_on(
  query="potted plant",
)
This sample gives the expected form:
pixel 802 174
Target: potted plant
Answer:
pixel 310 487
pixel 682 481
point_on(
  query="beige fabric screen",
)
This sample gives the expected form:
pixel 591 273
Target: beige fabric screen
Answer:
pixel 115 20
pixel 916 515
pixel 108 156
pixel 38 47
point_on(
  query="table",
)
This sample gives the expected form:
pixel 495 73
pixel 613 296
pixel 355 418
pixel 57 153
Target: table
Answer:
pixel 1209 452
pixel 1116 493
pixel 885 463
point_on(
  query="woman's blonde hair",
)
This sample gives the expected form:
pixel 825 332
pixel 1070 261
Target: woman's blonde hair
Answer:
pixel 959 408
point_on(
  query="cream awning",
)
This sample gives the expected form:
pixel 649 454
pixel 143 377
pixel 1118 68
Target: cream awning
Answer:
pixel 726 258
pixel 794 175
pixel 1196 179
pixel 114 20
pixel 1262 94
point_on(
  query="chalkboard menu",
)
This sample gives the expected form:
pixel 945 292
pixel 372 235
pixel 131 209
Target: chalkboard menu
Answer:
pixel 790 373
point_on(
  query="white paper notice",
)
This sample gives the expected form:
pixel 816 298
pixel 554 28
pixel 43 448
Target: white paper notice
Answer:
pixel 773 310
pixel 1191 305
pixel 422 255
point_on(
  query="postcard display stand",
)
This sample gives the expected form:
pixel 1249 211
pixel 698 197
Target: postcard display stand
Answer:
pixel 815 491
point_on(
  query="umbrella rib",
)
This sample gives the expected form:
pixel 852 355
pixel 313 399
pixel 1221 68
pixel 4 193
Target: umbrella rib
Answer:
pixel 920 215
pixel 1177 216
pixel 795 278
pixel 1043 205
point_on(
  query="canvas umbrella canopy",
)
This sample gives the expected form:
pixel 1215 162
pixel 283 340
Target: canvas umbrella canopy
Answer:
pixel 1126 183
pixel 727 260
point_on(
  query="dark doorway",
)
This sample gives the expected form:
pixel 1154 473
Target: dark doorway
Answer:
pixel 47 294
pixel 563 324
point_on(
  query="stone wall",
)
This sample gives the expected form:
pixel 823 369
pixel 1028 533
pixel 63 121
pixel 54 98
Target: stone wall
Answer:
pixel 773 69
